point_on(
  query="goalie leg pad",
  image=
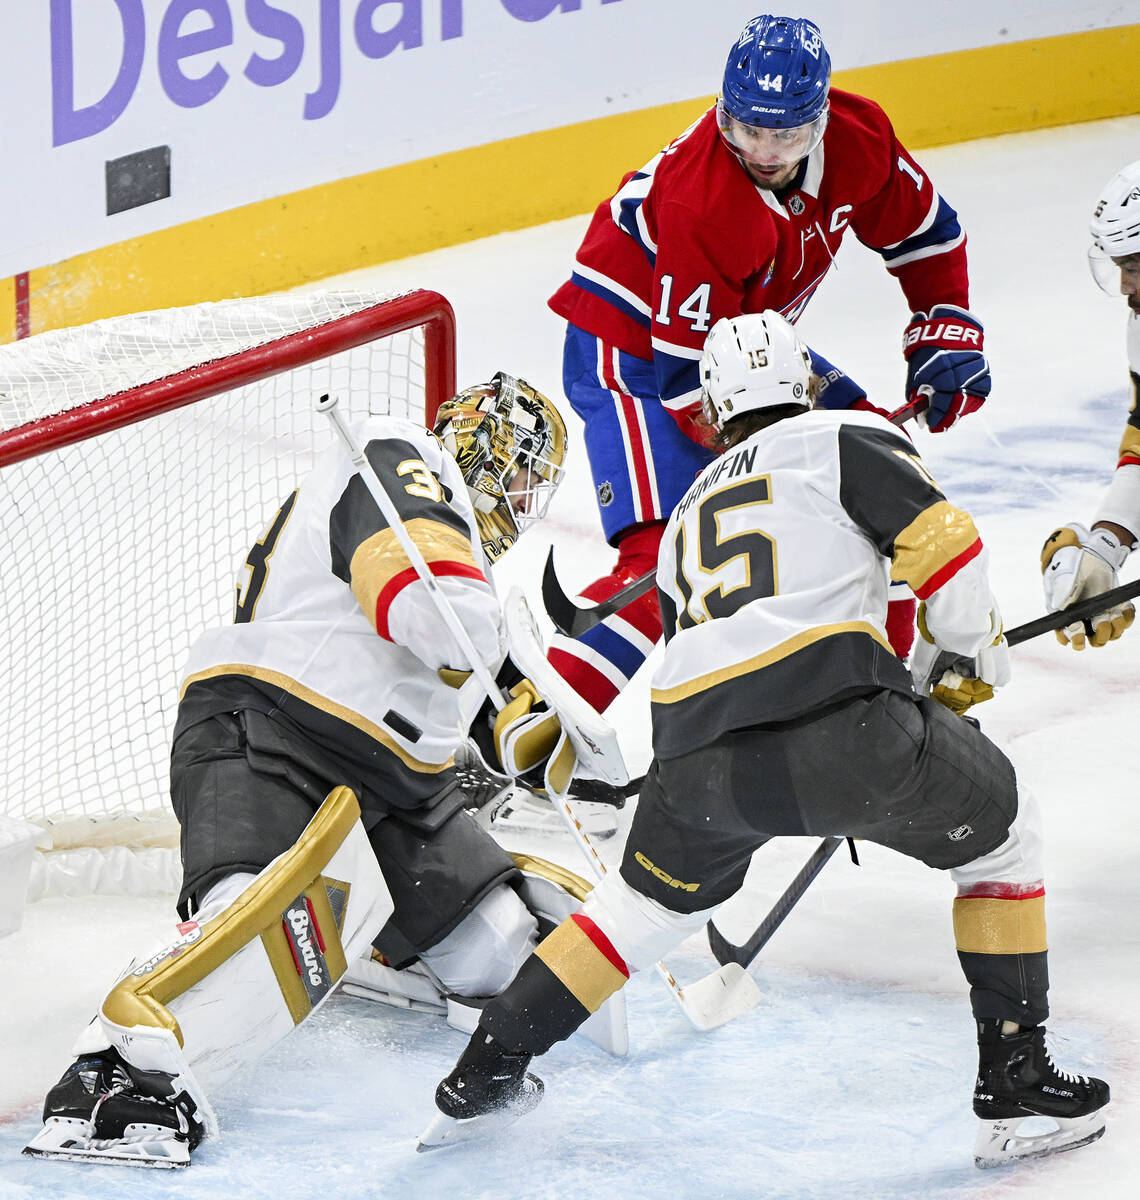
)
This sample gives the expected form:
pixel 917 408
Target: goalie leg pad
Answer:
pixel 482 954
pixel 241 975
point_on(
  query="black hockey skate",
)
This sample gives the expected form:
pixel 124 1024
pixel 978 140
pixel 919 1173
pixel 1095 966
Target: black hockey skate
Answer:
pixel 103 1110
pixel 489 1088
pixel 1017 1079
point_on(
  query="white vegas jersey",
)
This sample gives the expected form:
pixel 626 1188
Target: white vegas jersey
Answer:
pixel 774 570
pixel 1121 502
pixel 334 630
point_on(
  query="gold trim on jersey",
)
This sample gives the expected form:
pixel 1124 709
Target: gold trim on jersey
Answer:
pixel 380 558
pixel 142 997
pixel 932 540
pixel 298 690
pixel 809 637
pixel 1130 442
pixel 985 925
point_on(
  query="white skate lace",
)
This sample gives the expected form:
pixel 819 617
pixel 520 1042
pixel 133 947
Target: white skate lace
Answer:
pixel 1067 1076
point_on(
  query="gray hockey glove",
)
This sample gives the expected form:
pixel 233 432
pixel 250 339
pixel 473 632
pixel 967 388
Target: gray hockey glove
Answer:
pixel 955 681
pixel 1077 562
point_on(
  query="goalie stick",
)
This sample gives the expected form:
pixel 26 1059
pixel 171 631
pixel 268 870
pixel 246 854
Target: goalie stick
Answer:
pixel 572 620
pixel 726 952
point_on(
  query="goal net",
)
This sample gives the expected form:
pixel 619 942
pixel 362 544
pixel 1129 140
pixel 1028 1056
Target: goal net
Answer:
pixel 140 458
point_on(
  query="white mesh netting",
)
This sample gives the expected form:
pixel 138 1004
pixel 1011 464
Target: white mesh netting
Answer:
pixel 120 549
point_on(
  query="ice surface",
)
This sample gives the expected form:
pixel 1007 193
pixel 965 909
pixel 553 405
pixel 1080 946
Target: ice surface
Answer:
pixel 853 1079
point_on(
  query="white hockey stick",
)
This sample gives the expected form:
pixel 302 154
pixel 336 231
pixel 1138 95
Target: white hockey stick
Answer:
pixel 327 405
pixel 712 1000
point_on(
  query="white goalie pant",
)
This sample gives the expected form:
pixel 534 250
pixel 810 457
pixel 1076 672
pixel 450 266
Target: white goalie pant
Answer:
pixel 483 953
pixel 259 956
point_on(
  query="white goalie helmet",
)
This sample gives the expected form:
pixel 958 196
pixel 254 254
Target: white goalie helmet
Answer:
pixel 510 444
pixel 752 362
pixel 1115 227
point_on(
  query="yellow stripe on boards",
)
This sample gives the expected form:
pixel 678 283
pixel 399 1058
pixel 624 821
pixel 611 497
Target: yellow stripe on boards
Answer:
pixel 367 219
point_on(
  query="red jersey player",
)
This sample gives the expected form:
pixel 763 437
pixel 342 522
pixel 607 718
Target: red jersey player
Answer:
pixel 744 211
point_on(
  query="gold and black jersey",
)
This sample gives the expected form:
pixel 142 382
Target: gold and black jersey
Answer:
pixel 774 572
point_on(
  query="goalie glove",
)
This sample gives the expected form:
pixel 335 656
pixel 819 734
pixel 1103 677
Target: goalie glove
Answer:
pixel 945 364
pixel 1077 562
pixel 526 730
pixel 956 681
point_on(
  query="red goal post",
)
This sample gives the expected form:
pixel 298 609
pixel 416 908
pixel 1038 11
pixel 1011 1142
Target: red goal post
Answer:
pixel 140 458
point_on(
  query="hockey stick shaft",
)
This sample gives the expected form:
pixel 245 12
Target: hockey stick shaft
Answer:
pixel 725 952
pixel 572 620
pixel 328 406
pixel 1080 611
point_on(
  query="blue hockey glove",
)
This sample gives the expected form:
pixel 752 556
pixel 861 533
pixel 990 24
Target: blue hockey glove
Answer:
pixel 945 364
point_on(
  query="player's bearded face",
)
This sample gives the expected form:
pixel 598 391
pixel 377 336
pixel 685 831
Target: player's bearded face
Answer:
pixel 1130 279
pixel 770 156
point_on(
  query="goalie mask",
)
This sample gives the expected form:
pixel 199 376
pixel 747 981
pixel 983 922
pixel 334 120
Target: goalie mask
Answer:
pixel 752 362
pixel 510 444
pixel 1115 227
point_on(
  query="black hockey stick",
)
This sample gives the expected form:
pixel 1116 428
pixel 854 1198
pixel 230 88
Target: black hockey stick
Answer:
pixel 1081 611
pixel 725 952
pixel 573 621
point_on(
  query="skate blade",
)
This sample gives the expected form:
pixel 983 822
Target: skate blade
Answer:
pixel 69 1140
pixel 443 1130
pixel 1005 1141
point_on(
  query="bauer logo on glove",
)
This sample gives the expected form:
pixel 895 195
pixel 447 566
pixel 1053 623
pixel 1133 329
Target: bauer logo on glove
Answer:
pixel 945 364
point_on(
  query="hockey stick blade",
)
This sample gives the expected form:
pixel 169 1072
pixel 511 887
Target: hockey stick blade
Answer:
pixel 743 955
pixel 1080 611
pixel 720 997
pixel 573 621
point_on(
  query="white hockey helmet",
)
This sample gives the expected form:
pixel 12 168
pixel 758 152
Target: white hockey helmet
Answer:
pixel 751 362
pixel 1115 227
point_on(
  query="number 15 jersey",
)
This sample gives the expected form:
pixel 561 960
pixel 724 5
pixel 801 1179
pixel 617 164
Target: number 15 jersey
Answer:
pixel 774 569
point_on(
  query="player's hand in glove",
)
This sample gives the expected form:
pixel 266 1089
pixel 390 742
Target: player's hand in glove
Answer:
pixel 1076 563
pixel 953 680
pixel 526 730
pixel 945 365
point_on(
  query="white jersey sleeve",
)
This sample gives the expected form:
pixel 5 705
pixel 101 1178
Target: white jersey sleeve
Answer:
pixel 332 625
pixel 1121 502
